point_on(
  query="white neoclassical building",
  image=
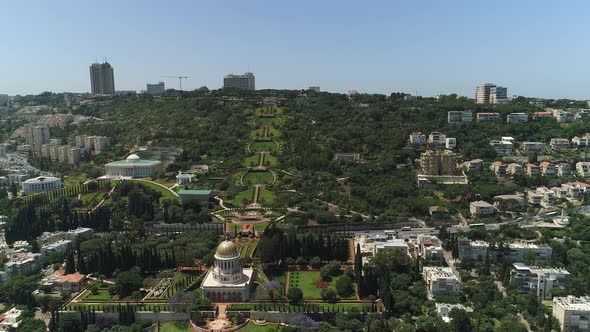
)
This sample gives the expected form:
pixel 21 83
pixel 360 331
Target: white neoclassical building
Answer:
pixel 41 184
pixel 227 281
pixel 133 166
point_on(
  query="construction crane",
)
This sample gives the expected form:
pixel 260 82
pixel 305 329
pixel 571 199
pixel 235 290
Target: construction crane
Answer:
pixel 179 79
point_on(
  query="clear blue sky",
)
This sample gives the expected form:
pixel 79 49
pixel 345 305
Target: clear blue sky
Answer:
pixel 535 48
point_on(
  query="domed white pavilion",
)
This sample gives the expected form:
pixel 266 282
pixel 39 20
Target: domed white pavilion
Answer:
pixel 227 281
pixel 132 167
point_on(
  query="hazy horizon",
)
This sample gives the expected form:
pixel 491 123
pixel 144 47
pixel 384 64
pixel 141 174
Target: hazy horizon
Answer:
pixel 534 48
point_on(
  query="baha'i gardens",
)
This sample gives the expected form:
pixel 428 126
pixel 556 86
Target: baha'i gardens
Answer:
pixel 291 210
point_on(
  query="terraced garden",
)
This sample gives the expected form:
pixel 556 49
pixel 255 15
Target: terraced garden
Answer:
pixel 263 146
pixel 258 178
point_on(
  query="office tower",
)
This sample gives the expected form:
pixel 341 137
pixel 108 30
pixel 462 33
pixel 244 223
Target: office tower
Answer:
pixel 155 89
pixel 498 95
pixel 102 79
pixel 245 81
pixel 489 93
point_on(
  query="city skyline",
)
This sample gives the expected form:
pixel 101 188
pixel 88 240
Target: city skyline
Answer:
pixel 423 49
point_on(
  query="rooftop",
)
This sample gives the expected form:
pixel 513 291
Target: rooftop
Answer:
pixel 439 272
pixel 481 204
pixel 573 303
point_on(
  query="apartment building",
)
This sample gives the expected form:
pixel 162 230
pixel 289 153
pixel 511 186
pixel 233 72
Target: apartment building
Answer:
pixel 547 169
pixel 542 115
pixel 499 169
pixel 581 142
pixel 559 144
pixel 564 169
pixel 514 169
pixel 509 202
pixel 450 143
pixel 417 138
pixel 520 251
pixel 488 116
pixel 481 209
pixel 397 244
pixel 562 116
pixel 532 170
pixel 583 168
pixel 533 147
pixel 573 313
pixel 457 117
pixel 537 280
pixel 502 147
pixel 441 281
pixel 475 165
pixel 437 138
pixel 439 162
pixel 517 118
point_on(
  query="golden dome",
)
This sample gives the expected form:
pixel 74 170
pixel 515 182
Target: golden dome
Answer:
pixel 227 249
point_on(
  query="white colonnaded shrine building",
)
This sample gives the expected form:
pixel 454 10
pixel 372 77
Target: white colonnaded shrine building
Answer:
pixel 133 167
pixel 227 281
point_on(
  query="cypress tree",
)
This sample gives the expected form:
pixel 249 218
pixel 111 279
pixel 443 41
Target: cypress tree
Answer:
pixel 70 264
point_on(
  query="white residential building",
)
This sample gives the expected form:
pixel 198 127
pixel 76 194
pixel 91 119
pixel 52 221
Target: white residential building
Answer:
pixel 531 279
pixel 562 116
pixel 502 147
pixel 22 264
pixel 481 209
pixel 450 143
pixel 547 169
pixel 564 169
pixel 573 313
pixel 11 320
pixel 514 169
pixel 531 147
pixel 437 138
pixel 559 144
pixel 583 168
pixel 499 169
pixel 581 142
pixel 417 138
pixel 520 251
pixel 441 281
pixel 59 247
pixel 517 118
pixel 488 116
pixel 398 244
pixel 456 117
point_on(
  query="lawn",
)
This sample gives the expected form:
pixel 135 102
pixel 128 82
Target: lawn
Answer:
pixel 244 197
pixel 247 249
pixel 306 281
pixel 280 276
pixel 251 327
pixel 258 178
pixel 175 327
pixel 165 193
pixel 90 200
pixel 75 180
pixel 263 146
pixel 267 121
pixel 266 197
pixel 102 295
